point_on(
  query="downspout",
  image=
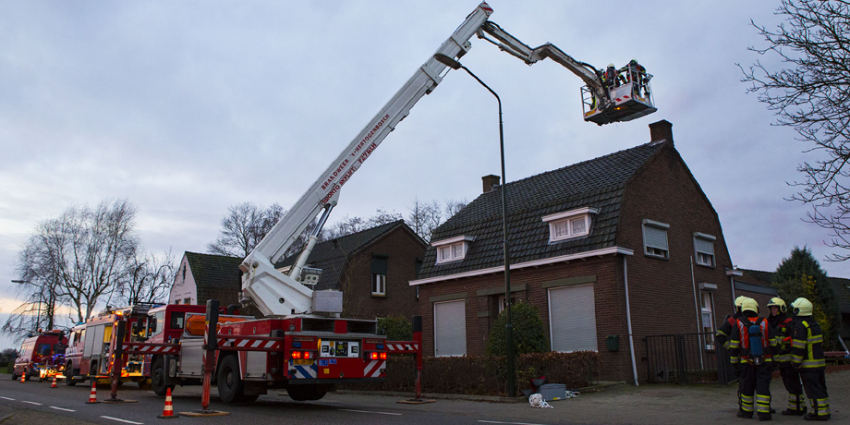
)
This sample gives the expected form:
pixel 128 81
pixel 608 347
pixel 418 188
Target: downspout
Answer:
pixel 629 319
pixel 697 310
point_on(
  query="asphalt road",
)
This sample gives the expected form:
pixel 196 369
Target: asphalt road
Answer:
pixel 37 403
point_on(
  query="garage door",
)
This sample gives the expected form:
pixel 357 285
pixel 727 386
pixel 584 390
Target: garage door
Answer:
pixel 450 328
pixel 572 319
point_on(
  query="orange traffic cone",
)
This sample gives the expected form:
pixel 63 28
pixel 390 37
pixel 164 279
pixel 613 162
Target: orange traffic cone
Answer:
pixel 53 385
pixel 168 411
pixel 23 376
pixel 93 394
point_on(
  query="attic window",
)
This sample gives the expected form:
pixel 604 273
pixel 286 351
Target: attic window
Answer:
pixel 452 249
pixel 569 224
pixel 655 239
pixel 704 249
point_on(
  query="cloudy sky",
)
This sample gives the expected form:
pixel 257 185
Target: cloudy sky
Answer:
pixel 185 108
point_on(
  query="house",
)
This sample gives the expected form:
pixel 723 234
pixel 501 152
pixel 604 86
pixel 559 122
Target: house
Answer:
pixel 372 268
pixel 202 277
pixel 612 249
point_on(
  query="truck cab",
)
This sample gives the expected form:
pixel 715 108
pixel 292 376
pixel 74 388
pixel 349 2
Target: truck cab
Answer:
pixel 38 355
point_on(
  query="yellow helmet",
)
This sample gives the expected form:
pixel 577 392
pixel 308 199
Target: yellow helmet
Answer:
pixel 739 301
pixel 802 307
pixel 778 302
pixel 750 304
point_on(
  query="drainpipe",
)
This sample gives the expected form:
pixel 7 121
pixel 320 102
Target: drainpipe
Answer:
pixel 698 311
pixel 629 319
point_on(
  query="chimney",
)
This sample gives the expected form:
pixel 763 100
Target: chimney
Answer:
pixel 661 131
pixel 490 182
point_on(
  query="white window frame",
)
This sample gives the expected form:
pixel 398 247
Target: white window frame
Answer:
pixel 452 249
pixel 379 285
pixel 709 309
pixel 656 251
pixel 712 260
pixel 567 219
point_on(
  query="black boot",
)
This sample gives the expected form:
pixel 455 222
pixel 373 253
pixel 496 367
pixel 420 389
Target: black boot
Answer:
pixel 745 415
pixel 764 417
pixel 811 417
pixel 792 412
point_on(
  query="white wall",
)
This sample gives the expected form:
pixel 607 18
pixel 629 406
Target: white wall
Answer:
pixel 184 284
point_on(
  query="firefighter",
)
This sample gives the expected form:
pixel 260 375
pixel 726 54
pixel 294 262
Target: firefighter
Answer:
pixel 609 77
pixel 807 358
pixel 722 337
pixel 751 348
pixel 790 377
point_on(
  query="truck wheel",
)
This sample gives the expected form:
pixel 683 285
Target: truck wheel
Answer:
pixel 93 367
pixel 70 374
pixel 158 378
pixel 306 392
pixel 14 375
pixel 230 388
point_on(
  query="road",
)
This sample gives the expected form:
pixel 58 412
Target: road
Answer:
pixel 37 403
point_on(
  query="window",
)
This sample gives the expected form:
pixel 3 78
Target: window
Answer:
pixel 43 349
pixel 156 323
pixel 502 304
pixel 187 301
pixel 704 249
pixel 655 239
pixel 708 319
pixel 379 275
pixel 177 320
pixel 452 249
pixel 450 328
pixel 176 302
pixel 572 318
pixel 569 224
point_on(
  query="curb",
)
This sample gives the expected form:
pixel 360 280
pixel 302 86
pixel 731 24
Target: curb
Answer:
pixel 601 386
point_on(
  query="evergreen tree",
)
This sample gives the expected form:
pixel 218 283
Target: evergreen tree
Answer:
pixel 800 275
pixel 529 335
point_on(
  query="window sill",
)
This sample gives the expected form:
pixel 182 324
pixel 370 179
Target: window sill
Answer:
pixel 657 257
pixel 705 265
pixel 571 238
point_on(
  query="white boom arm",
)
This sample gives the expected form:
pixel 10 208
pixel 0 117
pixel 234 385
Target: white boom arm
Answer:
pixel 277 294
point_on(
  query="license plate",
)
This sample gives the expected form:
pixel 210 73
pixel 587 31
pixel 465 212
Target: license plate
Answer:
pixel 302 362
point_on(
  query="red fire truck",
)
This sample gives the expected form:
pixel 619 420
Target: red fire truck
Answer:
pixel 38 354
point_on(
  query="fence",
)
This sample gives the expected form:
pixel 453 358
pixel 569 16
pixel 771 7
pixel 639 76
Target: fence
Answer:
pixel 687 359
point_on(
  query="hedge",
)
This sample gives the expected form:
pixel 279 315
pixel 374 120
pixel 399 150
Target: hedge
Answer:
pixel 485 375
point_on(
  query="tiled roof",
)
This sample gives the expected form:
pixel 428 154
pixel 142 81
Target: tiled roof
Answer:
pixel 330 256
pixel 216 277
pixel 598 183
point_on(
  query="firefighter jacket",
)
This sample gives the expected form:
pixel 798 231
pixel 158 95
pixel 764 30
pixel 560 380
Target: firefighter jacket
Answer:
pixel 807 345
pixel 739 341
pixel 725 330
pixel 783 325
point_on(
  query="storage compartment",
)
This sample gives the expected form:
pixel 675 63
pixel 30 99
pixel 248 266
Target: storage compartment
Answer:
pixel 552 392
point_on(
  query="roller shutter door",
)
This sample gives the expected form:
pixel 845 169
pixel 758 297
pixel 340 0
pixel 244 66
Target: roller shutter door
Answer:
pixel 450 328
pixel 572 319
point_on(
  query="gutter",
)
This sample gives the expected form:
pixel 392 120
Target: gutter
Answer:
pixel 629 319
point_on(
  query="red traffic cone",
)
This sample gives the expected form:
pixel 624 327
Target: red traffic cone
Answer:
pixel 53 385
pixel 93 394
pixel 168 411
pixel 23 376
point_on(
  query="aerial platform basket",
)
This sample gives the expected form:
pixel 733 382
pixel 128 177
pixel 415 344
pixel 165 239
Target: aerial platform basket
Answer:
pixel 628 103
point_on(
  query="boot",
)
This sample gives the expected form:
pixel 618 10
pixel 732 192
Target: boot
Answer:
pixel 811 417
pixel 764 417
pixel 745 415
pixel 792 412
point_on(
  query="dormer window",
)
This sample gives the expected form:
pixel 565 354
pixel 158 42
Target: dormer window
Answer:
pixel 452 249
pixel 569 224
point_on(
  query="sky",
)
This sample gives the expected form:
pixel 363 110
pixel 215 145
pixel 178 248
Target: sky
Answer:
pixel 185 108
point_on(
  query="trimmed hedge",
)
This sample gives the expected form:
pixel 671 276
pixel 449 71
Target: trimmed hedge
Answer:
pixel 485 375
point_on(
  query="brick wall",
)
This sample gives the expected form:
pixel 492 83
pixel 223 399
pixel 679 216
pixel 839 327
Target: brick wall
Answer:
pixel 662 291
pixel 402 249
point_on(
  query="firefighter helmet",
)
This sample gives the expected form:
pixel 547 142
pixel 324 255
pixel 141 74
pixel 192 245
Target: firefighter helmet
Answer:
pixel 738 302
pixel 750 304
pixel 802 307
pixel 778 302
pixel 610 65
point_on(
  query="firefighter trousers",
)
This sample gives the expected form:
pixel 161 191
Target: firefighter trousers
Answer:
pixel 791 380
pixel 815 384
pixel 755 389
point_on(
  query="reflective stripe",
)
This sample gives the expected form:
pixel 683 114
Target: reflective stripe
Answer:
pixel 814 363
pixel 796 358
pixel 734 359
pixel 815 339
pixel 734 344
pixel 727 345
pixel 798 344
pixel 763 398
pixel 747 398
pixel 823 406
pixel 720 332
pixel 747 407
pixel 783 358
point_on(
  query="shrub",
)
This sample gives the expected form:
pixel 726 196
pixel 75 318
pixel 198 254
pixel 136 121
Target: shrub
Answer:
pixel 398 328
pixel 529 335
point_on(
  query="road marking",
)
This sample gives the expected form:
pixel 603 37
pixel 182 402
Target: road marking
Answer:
pixel 512 423
pixel 62 409
pixel 7 398
pixel 31 402
pixel 366 411
pixel 122 420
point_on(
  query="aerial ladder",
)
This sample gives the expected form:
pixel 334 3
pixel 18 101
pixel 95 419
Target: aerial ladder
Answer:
pixel 276 293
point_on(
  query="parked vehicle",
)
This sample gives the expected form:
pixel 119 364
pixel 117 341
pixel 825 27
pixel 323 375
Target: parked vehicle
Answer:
pixel 37 355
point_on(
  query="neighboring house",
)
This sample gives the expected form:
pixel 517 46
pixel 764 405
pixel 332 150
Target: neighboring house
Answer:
pixel 581 238
pixel 202 277
pixel 842 290
pixel 372 268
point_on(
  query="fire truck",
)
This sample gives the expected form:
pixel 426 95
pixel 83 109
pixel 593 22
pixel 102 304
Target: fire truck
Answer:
pixel 88 355
pixel 39 355
pixel 301 343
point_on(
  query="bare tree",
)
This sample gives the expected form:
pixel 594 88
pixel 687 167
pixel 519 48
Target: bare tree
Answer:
pixel 425 217
pixel 348 225
pixel 811 94
pixel 9 354
pixel 246 224
pixel 149 278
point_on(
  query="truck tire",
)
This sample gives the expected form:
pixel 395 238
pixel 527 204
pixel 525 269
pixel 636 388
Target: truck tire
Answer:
pixel 230 387
pixel 158 381
pixel 306 392
pixel 93 367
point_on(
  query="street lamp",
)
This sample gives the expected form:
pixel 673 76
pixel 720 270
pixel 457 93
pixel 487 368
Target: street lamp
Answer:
pixel 40 300
pixel 451 63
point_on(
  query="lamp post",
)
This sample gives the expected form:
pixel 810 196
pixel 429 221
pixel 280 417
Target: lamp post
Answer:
pixel 40 300
pixel 451 63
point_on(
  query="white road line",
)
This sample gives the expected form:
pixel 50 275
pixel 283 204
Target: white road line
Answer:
pixel 31 402
pixel 7 398
pixel 366 411
pixel 512 423
pixel 121 420
pixel 62 409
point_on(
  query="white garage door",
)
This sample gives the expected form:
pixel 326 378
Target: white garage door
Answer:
pixel 450 328
pixel 572 319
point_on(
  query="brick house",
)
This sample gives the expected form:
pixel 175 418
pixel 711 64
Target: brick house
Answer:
pixel 371 268
pixel 630 232
pixel 202 277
